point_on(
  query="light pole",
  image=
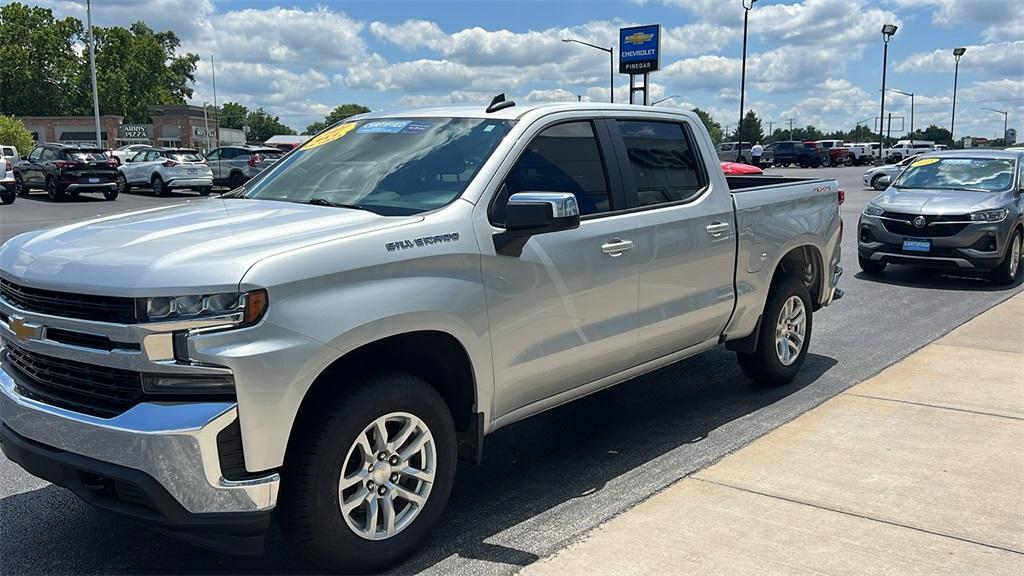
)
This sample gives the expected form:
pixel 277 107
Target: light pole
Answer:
pixel 911 94
pixel 92 65
pixel 957 53
pixel 206 121
pixel 887 31
pixel 660 100
pixel 747 6
pixel 611 64
pixel 1006 115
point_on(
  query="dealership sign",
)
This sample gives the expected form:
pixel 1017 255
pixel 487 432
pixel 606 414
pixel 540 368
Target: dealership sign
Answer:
pixel 201 132
pixel 135 132
pixel 639 49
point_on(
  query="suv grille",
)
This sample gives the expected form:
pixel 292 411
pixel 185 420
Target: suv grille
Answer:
pixel 936 231
pixel 68 305
pixel 86 388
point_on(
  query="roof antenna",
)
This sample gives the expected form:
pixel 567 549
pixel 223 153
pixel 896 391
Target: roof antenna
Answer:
pixel 499 103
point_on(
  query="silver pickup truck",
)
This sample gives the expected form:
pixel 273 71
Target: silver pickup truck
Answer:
pixel 324 343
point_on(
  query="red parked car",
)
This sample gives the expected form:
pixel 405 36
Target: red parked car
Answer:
pixel 739 169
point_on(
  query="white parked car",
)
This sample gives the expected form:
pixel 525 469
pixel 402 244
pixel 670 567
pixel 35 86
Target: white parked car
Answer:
pixel 9 153
pixel 122 154
pixel 906 148
pixel 166 169
pixel 7 192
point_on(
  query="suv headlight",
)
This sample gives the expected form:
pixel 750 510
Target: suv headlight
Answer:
pixel 249 306
pixel 872 210
pixel 990 215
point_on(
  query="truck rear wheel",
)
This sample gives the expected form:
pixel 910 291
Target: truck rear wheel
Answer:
pixel 785 335
pixel 369 474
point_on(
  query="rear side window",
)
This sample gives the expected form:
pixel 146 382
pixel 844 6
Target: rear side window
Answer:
pixel 562 158
pixel 48 154
pixel 665 164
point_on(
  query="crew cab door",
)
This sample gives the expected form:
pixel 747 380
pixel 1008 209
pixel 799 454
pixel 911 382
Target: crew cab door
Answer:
pixel 685 228
pixel 563 313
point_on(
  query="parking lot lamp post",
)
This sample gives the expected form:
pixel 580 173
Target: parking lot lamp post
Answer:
pixel 92 66
pixel 611 64
pixel 957 53
pixel 887 31
pixel 206 121
pixel 747 5
pixel 911 94
pixel 1006 115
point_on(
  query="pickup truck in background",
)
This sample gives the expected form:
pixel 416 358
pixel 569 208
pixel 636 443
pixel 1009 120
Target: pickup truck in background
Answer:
pixel 787 153
pixel 843 154
pixel 324 342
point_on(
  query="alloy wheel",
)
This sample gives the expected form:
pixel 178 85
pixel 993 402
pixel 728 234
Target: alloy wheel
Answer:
pixel 790 330
pixel 387 476
pixel 1015 256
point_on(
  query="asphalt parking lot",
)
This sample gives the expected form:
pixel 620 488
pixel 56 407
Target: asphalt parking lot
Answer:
pixel 546 481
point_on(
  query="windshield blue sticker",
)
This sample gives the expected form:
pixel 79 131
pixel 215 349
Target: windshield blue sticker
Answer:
pixel 383 127
pixel 417 127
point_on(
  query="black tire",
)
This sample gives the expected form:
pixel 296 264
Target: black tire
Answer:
pixel 123 185
pixel 8 198
pixel 236 180
pixel 54 191
pixel 875 184
pixel 764 366
pixel 849 161
pixel 159 188
pixel 870 266
pixel 308 510
pixel 110 194
pixel 1006 273
pixel 205 190
pixel 804 164
pixel 19 187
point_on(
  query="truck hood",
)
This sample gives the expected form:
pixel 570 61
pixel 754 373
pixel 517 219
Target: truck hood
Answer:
pixel 202 246
pixel 936 202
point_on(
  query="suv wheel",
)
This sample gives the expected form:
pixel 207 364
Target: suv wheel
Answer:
pixel 1008 270
pixel 19 187
pixel 123 186
pixel 110 193
pixel 54 190
pixel 205 190
pixel 7 196
pixel 875 182
pixel 785 335
pixel 158 186
pixel 236 180
pixel 369 474
pixel 870 266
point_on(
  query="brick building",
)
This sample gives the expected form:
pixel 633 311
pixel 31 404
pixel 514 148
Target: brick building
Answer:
pixel 172 126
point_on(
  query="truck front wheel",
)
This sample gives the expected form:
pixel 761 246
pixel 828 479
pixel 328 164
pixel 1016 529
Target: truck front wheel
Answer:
pixel 369 474
pixel 785 335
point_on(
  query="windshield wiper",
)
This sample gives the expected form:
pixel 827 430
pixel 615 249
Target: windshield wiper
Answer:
pixel 326 202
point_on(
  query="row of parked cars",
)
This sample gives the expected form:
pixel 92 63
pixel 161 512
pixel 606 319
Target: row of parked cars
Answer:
pixel 65 171
pixel 817 153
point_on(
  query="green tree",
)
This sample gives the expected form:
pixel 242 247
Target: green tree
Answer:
pixel 935 134
pixel 232 115
pixel 14 132
pixel 39 66
pixel 337 115
pixel 752 129
pixel 713 128
pixel 262 126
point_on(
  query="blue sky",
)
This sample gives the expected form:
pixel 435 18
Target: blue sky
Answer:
pixel 818 61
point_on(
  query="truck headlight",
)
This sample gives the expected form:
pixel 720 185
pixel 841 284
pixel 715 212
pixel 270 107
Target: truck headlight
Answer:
pixel 872 210
pixel 250 306
pixel 990 215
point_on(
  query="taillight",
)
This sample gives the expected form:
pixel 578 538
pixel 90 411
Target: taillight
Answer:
pixel 842 197
pixel 65 164
pixel 113 162
pixel 255 159
pixel 170 163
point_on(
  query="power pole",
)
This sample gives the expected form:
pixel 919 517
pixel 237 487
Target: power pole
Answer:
pixel 92 65
pixel 216 112
pixel 791 119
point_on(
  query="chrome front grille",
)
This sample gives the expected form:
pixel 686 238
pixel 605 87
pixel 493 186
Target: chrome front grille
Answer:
pixel 70 305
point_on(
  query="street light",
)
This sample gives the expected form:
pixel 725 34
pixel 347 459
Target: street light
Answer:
pixel 206 121
pixel 611 64
pixel 660 100
pixel 1005 114
pixel 887 31
pixel 92 68
pixel 747 6
pixel 957 53
pixel 911 94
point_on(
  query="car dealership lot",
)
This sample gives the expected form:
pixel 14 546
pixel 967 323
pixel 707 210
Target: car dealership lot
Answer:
pixel 543 483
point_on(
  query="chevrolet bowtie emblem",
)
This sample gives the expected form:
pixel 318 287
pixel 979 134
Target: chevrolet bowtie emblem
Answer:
pixel 638 38
pixel 21 330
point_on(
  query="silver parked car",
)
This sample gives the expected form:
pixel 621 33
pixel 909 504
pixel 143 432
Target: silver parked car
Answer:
pixel 324 343
pixel 166 169
pixel 235 165
pixel 957 210
pixel 873 176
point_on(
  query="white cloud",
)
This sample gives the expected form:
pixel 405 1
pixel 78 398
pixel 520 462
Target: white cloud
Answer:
pixel 1000 19
pixel 1000 60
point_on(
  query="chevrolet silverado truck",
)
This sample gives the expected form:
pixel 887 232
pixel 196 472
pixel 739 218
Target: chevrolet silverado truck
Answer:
pixel 324 343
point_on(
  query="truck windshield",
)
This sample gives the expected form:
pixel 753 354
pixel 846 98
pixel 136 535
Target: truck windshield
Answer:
pixel 972 174
pixel 393 167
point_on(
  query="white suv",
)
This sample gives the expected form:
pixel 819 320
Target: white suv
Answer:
pixel 165 169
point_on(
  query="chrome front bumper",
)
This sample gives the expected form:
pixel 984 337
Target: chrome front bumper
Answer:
pixel 174 443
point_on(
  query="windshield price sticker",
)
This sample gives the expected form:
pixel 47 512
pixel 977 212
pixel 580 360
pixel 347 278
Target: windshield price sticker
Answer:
pixel 329 136
pixel 925 162
pixel 383 127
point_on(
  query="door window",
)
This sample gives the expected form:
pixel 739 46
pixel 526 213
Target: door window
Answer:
pixel 48 155
pixel 228 154
pixel 139 157
pixel 36 155
pixel 665 164
pixel 214 155
pixel 562 158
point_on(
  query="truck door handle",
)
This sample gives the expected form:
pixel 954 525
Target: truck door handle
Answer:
pixel 717 228
pixel 616 247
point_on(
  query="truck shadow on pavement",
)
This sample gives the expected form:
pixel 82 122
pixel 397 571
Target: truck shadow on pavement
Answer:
pixel 554 459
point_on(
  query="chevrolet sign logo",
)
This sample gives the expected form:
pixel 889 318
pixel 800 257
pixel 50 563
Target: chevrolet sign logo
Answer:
pixel 638 38
pixel 22 331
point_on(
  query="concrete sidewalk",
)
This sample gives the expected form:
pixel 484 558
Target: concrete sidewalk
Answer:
pixel 919 470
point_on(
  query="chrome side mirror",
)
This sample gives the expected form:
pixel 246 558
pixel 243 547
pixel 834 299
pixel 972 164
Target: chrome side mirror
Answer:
pixel 530 213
